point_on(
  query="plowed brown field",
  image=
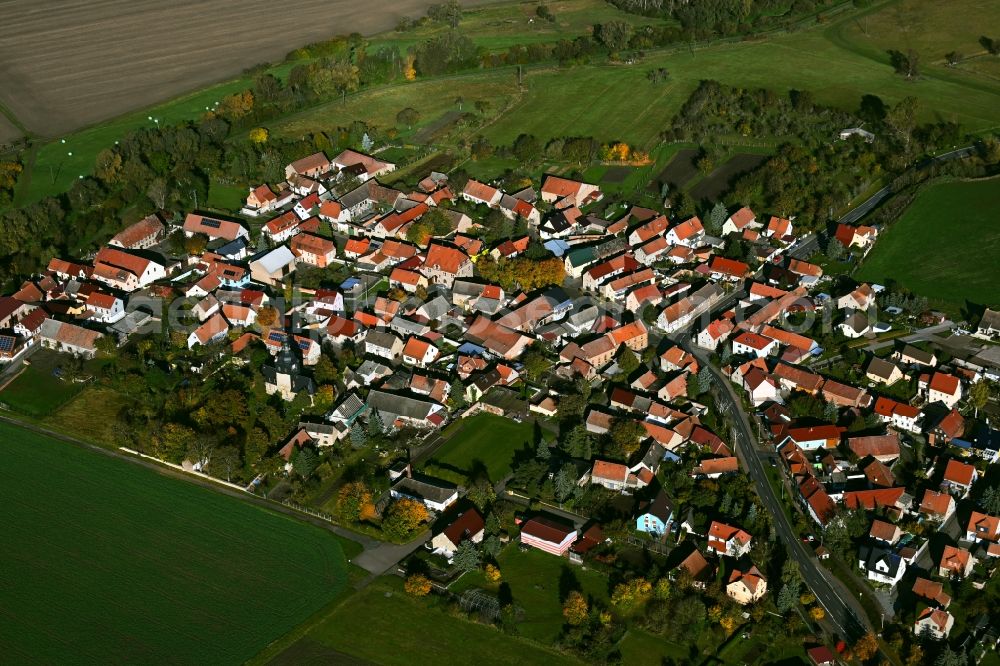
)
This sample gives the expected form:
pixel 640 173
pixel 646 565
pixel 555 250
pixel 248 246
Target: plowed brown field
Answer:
pixel 65 64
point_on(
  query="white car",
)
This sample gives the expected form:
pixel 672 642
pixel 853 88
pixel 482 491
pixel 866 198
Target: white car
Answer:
pixel 881 327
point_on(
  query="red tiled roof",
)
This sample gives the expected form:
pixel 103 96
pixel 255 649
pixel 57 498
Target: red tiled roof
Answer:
pixel 610 471
pixel 546 529
pixel 959 472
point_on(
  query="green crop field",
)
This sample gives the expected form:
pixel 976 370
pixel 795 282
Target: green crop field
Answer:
pixel 946 245
pixel 385 625
pixel 481 439
pixel 106 561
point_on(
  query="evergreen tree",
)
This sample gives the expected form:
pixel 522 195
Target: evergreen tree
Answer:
pixel 305 462
pixel 727 354
pixel 542 451
pixel 375 426
pixel 830 412
pixel 752 514
pixel 990 501
pixel 466 556
pixel 564 482
pixel 787 598
pixel 456 395
pixel 727 504
pixel 716 219
pixel 704 380
pixel 491 546
pixel 492 524
pixel 358 435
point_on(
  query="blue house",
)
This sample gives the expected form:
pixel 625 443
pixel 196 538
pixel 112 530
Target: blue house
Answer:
pixel 657 516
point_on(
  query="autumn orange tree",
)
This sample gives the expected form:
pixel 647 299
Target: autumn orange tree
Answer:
pixel 259 135
pixel 866 647
pixel 404 516
pixel 493 574
pixel 575 610
pixel 528 274
pixel 266 317
pixel 616 152
pixel 631 595
pixel 353 501
pixel 418 585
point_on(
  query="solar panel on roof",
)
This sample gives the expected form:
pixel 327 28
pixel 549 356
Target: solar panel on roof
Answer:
pixel 213 224
pixel 276 336
pixel 6 343
pixel 303 345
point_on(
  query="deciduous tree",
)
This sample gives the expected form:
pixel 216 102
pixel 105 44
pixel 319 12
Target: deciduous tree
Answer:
pixel 575 609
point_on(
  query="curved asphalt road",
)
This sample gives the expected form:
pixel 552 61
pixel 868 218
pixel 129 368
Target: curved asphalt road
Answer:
pixel 842 610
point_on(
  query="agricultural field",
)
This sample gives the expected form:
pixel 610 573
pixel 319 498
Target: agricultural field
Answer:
pixel 539 583
pixel 931 29
pixel 8 130
pixel 409 631
pixel 103 557
pixel 946 245
pixel 500 25
pixel 129 54
pixel 484 439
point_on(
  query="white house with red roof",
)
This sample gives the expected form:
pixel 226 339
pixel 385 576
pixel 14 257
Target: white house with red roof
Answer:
pixel 104 307
pixel 548 535
pixel 467 526
pixel 959 478
pixel 444 264
pixel 307 206
pixel 746 585
pixel 569 192
pixel 283 227
pixel 419 352
pixel 941 387
pixel 752 344
pixel 725 539
pixel 715 333
pixel 142 235
pixel 740 221
pixel 898 414
pixel 212 330
pixel 934 622
pixel 983 527
pixel 688 233
pixel 778 227
pixel 126 271
pixel 481 193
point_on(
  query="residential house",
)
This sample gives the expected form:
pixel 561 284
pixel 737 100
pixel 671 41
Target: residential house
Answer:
pixel 910 355
pixel 281 228
pixel 989 325
pixel 360 165
pixel 752 344
pixel 104 307
pixel 855 325
pixel 959 478
pixel 548 535
pixel 383 344
pixel 725 539
pixel 760 387
pixel 467 526
pixel 688 233
pixel 69 338
pixel 862 237
pixel 566 192
pixel 898 414
pixel 983 527
pixel 311 166
pixel 435 494
pixel 881 565
pixel 884 532
pixel 444 264
pixel 884 448
pixel 211 330
pixel 285 377
pixel 746 585
pixel 273 267
pixel 941 387
pixel 740 221
pixel 932 591
pixel 779 228
pixel 419 352
pixel 313 250
pixel 126 271
pixel 142 235
pixel 934 623
pixel 213 227
pixel 937 506
pixel 481 193
pixel 862 298
pixel 883 372
pixel 657 517
pixel 261 199
pixel 956 562
pixel 814 437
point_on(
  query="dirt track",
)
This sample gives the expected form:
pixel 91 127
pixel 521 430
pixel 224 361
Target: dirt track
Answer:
pixel 65 64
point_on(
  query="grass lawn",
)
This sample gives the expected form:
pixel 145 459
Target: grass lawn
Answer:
pixel 228 198
pixel 639 647
pixel 90 415
pixel 104 559
pixel 946 245
pixel 481 439
pixel 385 625
pixel 539 582
pixel 36 391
